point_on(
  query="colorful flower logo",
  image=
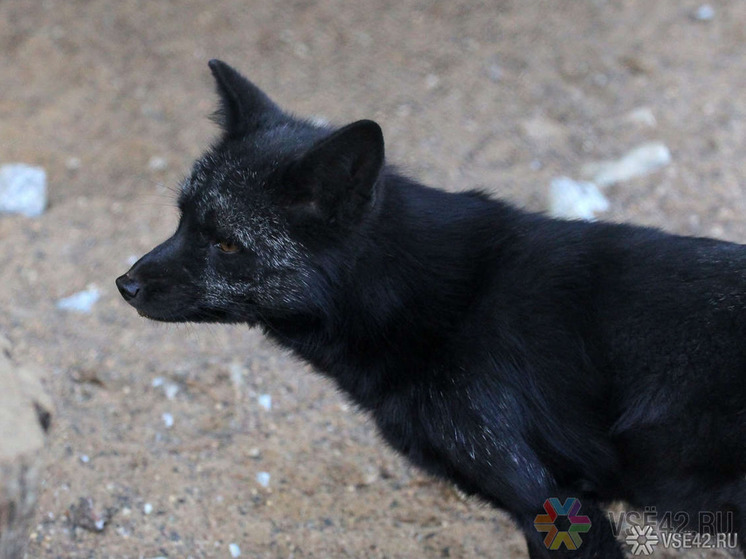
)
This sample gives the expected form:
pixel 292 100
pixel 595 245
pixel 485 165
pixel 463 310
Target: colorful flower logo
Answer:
pixel 579 524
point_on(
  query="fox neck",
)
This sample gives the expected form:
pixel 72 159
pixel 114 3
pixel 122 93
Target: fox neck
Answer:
pixel 394 306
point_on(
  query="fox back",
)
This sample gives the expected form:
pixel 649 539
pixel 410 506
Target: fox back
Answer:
pixel 520 357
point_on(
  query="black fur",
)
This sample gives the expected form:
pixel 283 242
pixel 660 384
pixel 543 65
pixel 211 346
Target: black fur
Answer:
pixel 518 356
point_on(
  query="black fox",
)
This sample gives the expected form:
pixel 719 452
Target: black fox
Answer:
pixel 522 358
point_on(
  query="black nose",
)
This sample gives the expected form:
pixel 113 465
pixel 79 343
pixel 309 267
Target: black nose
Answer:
pixel 128 287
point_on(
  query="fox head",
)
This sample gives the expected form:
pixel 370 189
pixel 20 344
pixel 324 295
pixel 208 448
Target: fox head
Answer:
pixel 263 212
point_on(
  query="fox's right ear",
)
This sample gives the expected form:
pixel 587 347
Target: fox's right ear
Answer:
pixel 336 178
pixel 243 106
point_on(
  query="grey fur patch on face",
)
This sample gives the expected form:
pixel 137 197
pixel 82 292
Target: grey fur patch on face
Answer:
pixel 273 291
pixel 229 199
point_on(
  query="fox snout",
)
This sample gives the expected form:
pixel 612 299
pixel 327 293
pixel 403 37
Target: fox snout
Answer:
pixel 131 285
pixel 136 284
pixel 158 285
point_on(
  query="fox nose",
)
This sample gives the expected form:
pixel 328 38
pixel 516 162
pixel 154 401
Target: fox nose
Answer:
pixel 128 287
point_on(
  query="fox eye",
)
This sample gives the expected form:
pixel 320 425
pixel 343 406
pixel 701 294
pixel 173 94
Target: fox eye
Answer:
pixel 227 246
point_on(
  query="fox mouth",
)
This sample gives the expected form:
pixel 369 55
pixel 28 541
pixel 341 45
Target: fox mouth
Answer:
pixel 191 316
pixel 157 318
pixel 161 316
pixel 146 315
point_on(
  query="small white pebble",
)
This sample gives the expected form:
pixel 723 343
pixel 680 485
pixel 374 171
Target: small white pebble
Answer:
pixel 168 420
pixel 171 390
pixel 265 400
pixel 704 13
pixel 262 478
pixel 122 531
pixel 157 164
pixel 100 524
pixel 85 458
pixel 235 550
pixel 643 116
pixel 147 508
pixel 81 302
pixel 157 381
pixel 569 199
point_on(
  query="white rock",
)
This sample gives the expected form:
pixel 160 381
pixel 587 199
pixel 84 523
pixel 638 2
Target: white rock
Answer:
pixel 81 302
pixel 265 400
pixel 157 381
pixel 85 458
pixel 147 508
pixel 704 13
pixel 262 478
pixel 157 164
pixel 235 550
pixel 640 161
pixel 23 189
pixel 168 420
pixel 569 199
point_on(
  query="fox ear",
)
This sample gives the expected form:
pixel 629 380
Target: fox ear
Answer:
pixel 336 178
pixel 243 106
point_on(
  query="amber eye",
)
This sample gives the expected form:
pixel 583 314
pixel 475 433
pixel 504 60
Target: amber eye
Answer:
pixel 227 246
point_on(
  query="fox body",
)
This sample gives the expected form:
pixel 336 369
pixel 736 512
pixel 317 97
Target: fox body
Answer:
pixel 518 356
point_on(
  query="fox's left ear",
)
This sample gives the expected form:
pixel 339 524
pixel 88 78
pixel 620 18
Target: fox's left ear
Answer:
pixel 336 178
pixel 243 106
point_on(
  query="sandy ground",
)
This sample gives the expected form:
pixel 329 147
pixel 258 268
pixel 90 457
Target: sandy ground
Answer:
pixel 111 99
